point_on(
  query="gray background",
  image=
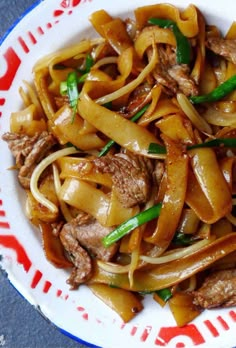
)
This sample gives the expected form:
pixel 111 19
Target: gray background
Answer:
pixel 21 326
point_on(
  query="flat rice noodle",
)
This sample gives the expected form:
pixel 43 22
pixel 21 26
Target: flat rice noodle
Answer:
pixel 69 167
pixel 115 33
pixel 183 309
pixel 153 34
pixel 45 97
pixel 53 248
pixel 155 97
pixel 208 193
pixel 66 127
pixel 85 197
pixel 174 198
pixel 123 302
pixel 176 127
pixel 32 98
pixel 171 273
pixel 199 64
pixel 117 213
pixel 26 121
pixel 163 108
pixel 187 20
pixel 135 138
pixel 208 80
pixel 98 19
pixel 129 87
pixel 63 54
pixel 227 166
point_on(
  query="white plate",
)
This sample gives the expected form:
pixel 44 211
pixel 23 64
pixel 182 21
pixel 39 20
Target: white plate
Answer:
pixel 50 25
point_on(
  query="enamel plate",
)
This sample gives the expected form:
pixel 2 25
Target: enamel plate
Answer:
pixel 50 25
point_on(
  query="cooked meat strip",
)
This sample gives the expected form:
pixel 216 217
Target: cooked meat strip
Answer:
pixel 131 176
pixel 180 73
pixel 89 233
pixel 223 47
pixel 218 290
pixel 172 76
pixel 28 152
pixel 81 238
pixel 79 256
pixel 141 97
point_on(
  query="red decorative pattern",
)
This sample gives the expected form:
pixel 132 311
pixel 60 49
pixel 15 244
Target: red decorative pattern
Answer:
pixel 13 62
pixel 66 7
pixel 36 279
pixel 166 334
pixel 11 242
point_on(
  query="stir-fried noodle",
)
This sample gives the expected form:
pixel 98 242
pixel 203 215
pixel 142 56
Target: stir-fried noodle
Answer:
pixel 125 147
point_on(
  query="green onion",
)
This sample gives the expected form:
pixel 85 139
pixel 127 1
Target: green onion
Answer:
pixel 218 93
pixel 63 88
pixel 89 62
pixel 164 294
pixel 183 47
pixel 218 142
pixel 72 91
pixel 129 225
pixel 111 143
pixel 156 149
pixel 181 239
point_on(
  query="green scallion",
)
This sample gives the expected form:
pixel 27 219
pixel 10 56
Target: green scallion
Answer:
pixel 129 225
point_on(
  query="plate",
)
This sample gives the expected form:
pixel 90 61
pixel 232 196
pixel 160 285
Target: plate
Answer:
pixel 48 26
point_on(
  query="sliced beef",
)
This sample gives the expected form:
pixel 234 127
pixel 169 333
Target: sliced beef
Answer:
pixel 181 74
pixel 172 76
pixel 79 256
pixel 82 239
pixel 131 176
pixel 218 290
pixel 28 152
pixel 141 97
pixel 223 47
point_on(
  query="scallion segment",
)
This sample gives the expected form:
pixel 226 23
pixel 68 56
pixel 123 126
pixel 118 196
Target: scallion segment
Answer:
pixel 183 47
pixel 218 93
pixel 182 239
pixel 218 142
pixel 164 294
pixel 72 91
pixel 89 62
pixel 129 225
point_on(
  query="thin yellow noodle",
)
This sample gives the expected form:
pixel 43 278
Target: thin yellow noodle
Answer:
pixel 192 283
pixel 192 114
pixel 133 84
pixel 24 96
pixel 34 98
pixel 178 253
pixel 113 267
pixel 38 171
pixel 133 265
pixel 57 182
pixel 105 61
pixel 66 53
pixel 231 219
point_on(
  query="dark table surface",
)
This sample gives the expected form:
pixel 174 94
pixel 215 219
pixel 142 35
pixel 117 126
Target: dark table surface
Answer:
pixel 21 326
